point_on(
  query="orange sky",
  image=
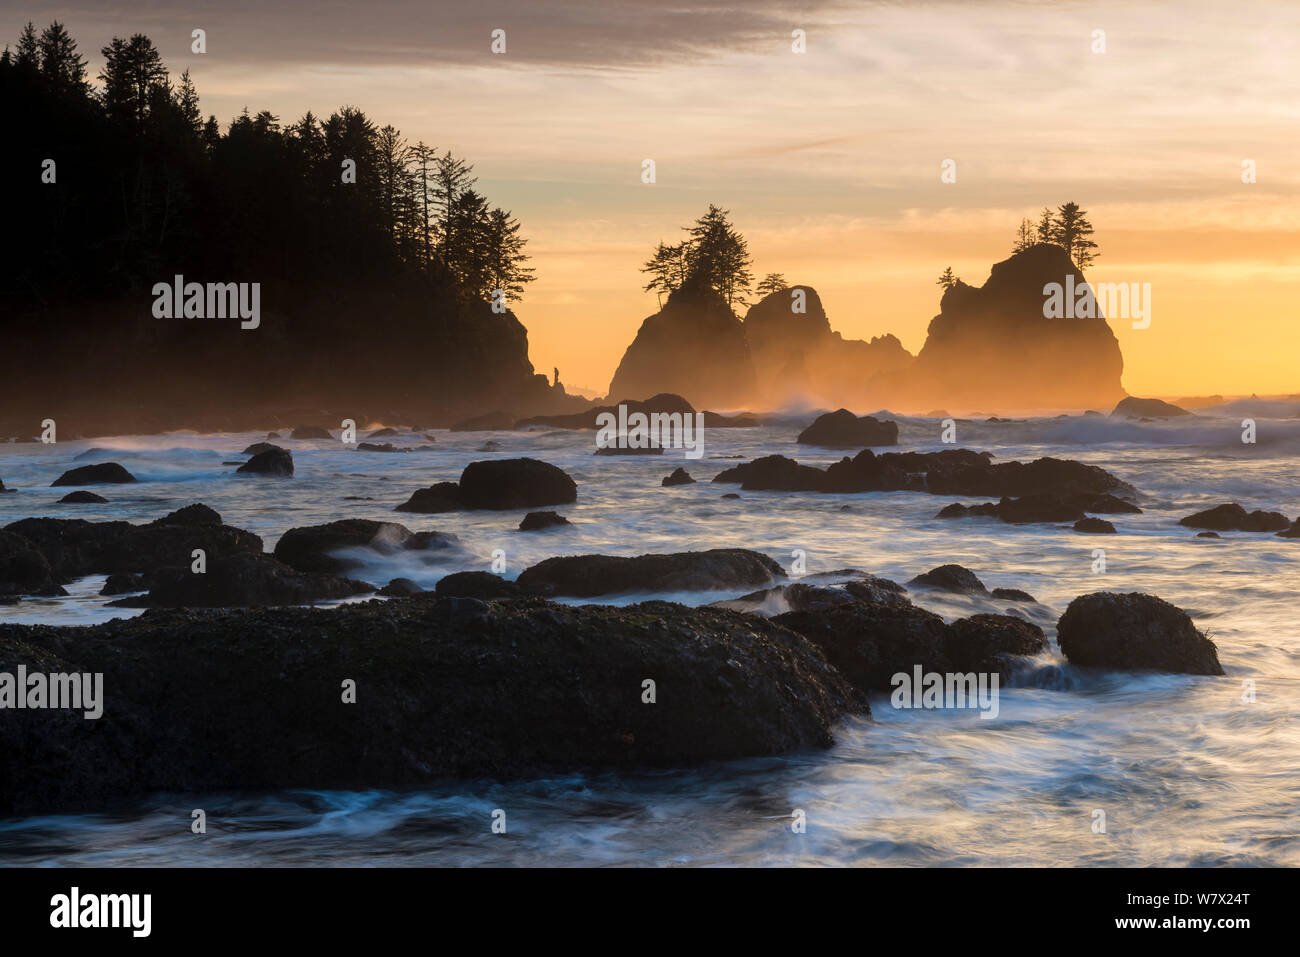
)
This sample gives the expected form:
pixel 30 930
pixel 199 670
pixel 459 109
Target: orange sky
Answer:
pixel 828 160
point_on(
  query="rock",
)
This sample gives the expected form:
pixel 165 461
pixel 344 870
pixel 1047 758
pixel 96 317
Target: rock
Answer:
pixel 1217 535
pixel 491 445
pixel 380 434
pixel 481 585
pixel 488 422
pixel 274 461
pixel 1013 594
pixel 257 448
pixel 312 548
pixel 379 447
pixel 873 589
pixel 586 576
pixel 1292 532
pixel 24 570
pixel 1133 407
pixel 679 477
pixel 951 578
pixel 272 435
pixel 124 584
pixel 3 489
pixel 799 359
pixel 515 483
pixel 984 643
pixel 869 643
pixel 1134 632
pixel 82 498
pixel 561 685
pixel 843 429
pixel 310 432
pixel 628 450
pixel 994 346
pixel 196 514
pixel 534 521
pixel 693 347
pixel 1096 526
pixel 401 588
pixel 1231 517
pixel 102 474
pixel 774 472
pixel 75 547
pixel 442 497
pixel 240 580
pixel 1039 507
pixel 730 495
pixel 805 596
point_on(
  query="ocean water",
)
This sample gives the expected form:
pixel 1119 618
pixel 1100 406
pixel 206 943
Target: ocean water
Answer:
pixel 1185 770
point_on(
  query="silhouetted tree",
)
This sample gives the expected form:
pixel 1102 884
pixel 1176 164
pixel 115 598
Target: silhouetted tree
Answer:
pixel 1026 236
pixel 1072 233
pixel 772 282
pixel 948 280
pixel 133 72
pixel 63 68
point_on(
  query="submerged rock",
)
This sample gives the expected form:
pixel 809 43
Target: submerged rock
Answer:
pixel 481 585
pixel 1292 532
pixel 310 432
pixel 257 448
pixel 535 521
pixel 82 498
pixel 843 429
pixel 1013 594
pixel 590 575
pixel 103 474
pixel 274 461
pixel 1134 631
pixel 311 548
pixel 679 476
pixel 1133 408
pixel 250 700
pixel 1095 526
pixel 1231 517
pixel 241 580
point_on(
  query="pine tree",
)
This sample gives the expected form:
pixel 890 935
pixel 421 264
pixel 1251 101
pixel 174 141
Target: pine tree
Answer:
pixel 1026 236
pixel 772 282
pixel 187 104
pixel 1046 228
pixel 62 66
pixel 1073 232
pixel 948 280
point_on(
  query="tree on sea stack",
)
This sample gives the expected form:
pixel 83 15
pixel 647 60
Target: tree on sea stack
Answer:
pixel 715 256
pixel 772 282
pixel 1026 236
pixel 1072 234
pixel 948 280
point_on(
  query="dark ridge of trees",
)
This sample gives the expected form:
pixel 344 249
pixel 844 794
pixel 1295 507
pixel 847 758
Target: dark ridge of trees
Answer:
pixel 147 187
pixel 713 256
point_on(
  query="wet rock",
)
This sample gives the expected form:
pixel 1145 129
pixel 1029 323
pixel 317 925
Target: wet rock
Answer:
pixel 124 584
pixel 953 578
pixel 1231 517
pixel 843 429
pixel 775 472
pixel 103 474
pixel 629 450
pixel 274 461
pixel 561 686
pixel 1013 594
pixel 1292 532
pixel 310 432
pixel 679 476
pixel 1094 526
pixel 535 521
pixel 383 433
pixel 257 448
pixel 730 495
pixel 196 514
pixel 1134 632
pixel 590 575
pixel 401 588
pixel 24 570
pixel 82 498
pixel 1133 407
pixel 3 489
pixel 515 483
pixel 312 548
pixel 989 643
pixel 442 497
pixel 379 447
pixel 1217 535
pixel 1038 508
pixel 241 580
pixel 481 585
pixel 487 422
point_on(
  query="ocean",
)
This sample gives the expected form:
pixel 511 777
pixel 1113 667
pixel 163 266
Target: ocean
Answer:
pixel 1079 767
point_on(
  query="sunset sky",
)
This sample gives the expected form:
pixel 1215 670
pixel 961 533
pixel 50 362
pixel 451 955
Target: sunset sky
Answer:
pixel 829 160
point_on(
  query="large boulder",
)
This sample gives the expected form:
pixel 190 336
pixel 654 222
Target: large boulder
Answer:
pixel 311 432
pixel 954 578
pixel 23 569
pixel 515 483
pixel 104 473
pixel 693 347
pixel 481 585
pixel 249 700
pixel 82 497
pixel 586 576
pixel 1134 408
pixel 843 429
pixel 313 548
pixel 1134 631
pixel 998 344
pixel 1231 517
